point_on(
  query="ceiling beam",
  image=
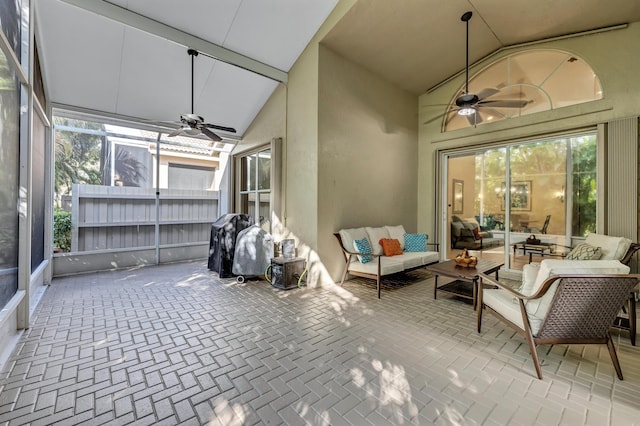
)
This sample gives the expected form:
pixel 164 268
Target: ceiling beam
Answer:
pixel 142 23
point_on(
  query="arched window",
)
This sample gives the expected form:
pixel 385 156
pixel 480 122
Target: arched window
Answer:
pixel 544 79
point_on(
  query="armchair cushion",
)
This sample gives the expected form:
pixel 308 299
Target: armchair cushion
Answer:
pixel 539 307
pixel 584 251
pixel 612 247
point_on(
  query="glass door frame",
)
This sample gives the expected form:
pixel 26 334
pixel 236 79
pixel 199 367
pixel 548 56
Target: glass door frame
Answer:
pixel 443 180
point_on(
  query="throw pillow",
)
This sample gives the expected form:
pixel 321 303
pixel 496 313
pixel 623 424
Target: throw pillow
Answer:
pixel 415 242
pixel 584 251
pixel 390 246
pixel 476 233
pixel 397 232
pixel 363 246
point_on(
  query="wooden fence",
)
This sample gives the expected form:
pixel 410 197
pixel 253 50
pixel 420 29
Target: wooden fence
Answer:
pixel 124 218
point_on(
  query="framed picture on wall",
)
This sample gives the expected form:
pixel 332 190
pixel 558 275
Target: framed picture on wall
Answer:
pixel 520 195
pixel 458 196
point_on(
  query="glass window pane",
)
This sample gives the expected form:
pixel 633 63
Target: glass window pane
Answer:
pixel 9 179
pixel 251 172
pixel 10 23
pixel 38 199
pixel 244 174
pixel 584 196
pixel 264 208
pixel 538 174
pixel 532 81
pixel 264 170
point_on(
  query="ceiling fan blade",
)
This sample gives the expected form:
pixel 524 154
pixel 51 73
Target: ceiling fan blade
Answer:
pixel 474 118
pixel 224 129
pixel 486 92
pixel 500 103
pixel 210 134
pixel 176 132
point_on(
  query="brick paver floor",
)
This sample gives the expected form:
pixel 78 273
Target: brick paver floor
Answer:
pixel 173 344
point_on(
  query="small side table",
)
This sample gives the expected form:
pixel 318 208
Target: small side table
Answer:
pixel 286 273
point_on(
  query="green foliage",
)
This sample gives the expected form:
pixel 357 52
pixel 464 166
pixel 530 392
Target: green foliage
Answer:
pixel 584 186
pixel 62 229
pixel 77 156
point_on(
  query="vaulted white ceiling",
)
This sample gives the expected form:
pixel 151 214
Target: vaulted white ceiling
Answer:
pixel 129 57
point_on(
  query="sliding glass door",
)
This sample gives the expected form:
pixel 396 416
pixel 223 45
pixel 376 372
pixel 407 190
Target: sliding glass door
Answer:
pixel 499 197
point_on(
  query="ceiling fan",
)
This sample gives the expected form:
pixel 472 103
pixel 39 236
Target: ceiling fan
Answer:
pixel 469 104
pixel 193 124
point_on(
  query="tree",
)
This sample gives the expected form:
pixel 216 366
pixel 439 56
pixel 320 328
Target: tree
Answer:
pixel 78 156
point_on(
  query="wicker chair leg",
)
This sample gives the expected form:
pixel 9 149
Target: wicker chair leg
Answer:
pixel 614 357
pixel 479 317
pixel 378 285
pixel 534 355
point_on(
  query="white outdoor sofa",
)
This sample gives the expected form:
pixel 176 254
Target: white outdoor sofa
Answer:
pixel 381 265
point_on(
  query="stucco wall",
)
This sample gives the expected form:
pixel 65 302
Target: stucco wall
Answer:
pixel 269 123
pixel 612 55
pixel 367 154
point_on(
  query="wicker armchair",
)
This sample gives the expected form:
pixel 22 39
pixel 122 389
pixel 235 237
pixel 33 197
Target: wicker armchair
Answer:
pixel 582 308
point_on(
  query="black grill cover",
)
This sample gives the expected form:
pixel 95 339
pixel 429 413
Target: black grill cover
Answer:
pixel 222 245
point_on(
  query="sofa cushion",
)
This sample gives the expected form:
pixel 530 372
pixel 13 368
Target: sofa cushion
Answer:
pixel 397 232
pixel 388 265
pixel 411 259
pixel 348 236
pixel 584 251
pixel 375 234
pixel 363 246
pixel 456 228
pixel 390 246
pixel 415 242
pixel 612 247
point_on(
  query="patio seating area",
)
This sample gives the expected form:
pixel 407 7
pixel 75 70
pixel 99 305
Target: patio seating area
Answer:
pixel 175 344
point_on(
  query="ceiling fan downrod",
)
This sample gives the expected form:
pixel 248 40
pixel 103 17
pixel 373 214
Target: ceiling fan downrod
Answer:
pixel 465 18
pixel 193 53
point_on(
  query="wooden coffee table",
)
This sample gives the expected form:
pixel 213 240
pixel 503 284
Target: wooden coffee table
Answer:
pixel 467 279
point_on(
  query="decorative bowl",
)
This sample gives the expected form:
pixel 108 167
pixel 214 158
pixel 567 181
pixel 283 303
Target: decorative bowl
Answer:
pixel 466 261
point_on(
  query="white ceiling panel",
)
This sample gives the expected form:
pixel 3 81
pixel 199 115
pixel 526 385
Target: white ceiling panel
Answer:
pixel 80 54
pixel 100 55
pixel 210 20
pixel 233 97
pixel 156 78
pixel 276 31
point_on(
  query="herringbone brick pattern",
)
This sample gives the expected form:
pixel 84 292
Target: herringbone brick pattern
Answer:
pixel 174 344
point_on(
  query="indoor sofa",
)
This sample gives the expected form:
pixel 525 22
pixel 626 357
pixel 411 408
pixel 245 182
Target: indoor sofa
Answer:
pixel 401 251
pixel 467 233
